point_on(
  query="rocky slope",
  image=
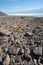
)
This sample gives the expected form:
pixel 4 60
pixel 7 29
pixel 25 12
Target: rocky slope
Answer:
pixel 2 14
pixel 21 40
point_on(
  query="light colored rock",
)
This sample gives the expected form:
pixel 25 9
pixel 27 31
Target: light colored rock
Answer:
pixel 30 33
pixel 5 31
pixel 38 50
pixel 7 60
pixel 28 50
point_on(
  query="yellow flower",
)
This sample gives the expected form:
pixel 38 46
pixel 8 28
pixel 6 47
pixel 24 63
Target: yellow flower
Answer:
pixel 21 30
pixel 15 27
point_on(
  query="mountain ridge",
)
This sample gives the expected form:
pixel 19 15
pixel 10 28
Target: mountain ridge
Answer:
pixel 40 10
pixel 2 13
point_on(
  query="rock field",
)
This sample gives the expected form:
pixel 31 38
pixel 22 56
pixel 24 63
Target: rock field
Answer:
pixel 21 40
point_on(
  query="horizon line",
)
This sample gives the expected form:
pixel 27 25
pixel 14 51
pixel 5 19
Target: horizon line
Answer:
pixel 29 14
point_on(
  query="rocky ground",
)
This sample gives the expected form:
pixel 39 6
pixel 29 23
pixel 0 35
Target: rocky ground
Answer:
pixel 21 40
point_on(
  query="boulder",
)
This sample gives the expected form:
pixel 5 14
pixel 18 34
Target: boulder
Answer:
pixel 7 60
pixel 13 50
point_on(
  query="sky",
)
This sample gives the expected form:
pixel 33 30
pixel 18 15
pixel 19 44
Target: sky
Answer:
pixel 15 6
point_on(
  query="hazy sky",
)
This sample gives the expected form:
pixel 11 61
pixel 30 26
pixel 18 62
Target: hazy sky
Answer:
pixel 13 6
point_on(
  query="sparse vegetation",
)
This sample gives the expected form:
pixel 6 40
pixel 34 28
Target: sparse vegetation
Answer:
pixel 21 40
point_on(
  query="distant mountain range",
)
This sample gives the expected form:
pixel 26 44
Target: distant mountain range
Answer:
pixel 29 11
pixel 32 12
pixel 35 11
pixel 2 13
